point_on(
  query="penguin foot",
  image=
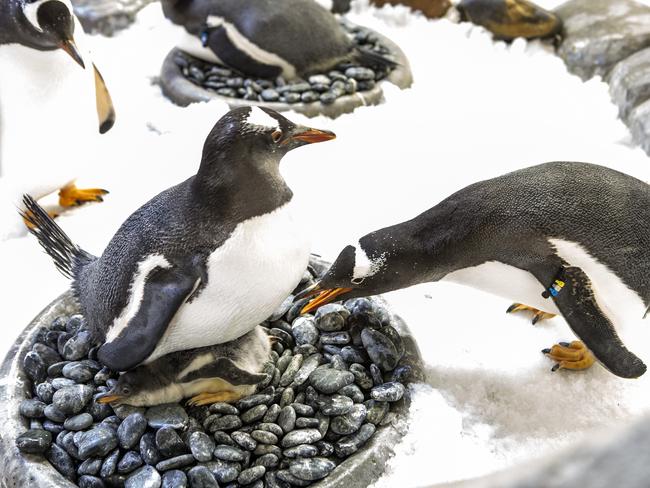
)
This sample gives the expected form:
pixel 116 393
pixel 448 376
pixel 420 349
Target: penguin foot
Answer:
pixel 71 196
pixel 538 315
pixel 574 356
pixel 210 398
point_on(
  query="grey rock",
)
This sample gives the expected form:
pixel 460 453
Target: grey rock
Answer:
pixel 291 370
pixel 251 475
pixel 264 437
pixel 174 479
pixel 244 440
pixel 78 346
pixel 202 446
pixel 381 349
pixel 169 443
pixel 45 392
pixel 201 477
pixel 170 414
pixel 335 405
pixel 253 401
pixel 350 444
pixel 72 399
pixel 304 330
pixel 353 355
pixel 350 422
pixel 90 467
pixel 129 462
pixel 354 392
pixel 287 397
pixel 263 449
pixel 301 436
pixel 376 411
pixel 47 354
pixel 599 33
pixel 123 411
pixel 101 376
pixel 307 367
pixel 402 374
pixel 330 380
pixel 56 369
pixel 177 462
pixel 302 450
pixel 229 453
pixel 377 377
pixel 360 74
pixel 220 437
pixel 148 449
pixel 328 98
pixel 58 383
pixel 35 368
pixel 388 392
pixel 52 427
pixel 268 461
pixel 302 409
pixel 335 338
pixel 90 482
pixel 306 423
pixel 254 414
pixel 325 449
pixel 311 469
pixel 131 430
pixel 34 441
pixel 78 372
pixel 78 422
pixel 297 306
pixel 32 408
pixel 309 97
pixel 287 419
pixel 319 79
pixel 223 408
pixel 285 476
pixel 62 461
pixel 145 477
pixel 272 413
pixel 224 471
pixel 271 95
pixel 109 466
pixel 361 376
pixel 97 442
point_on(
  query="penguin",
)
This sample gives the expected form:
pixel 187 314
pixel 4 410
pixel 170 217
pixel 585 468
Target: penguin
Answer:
pixel 53 103
pixel 190 268
pixel 567 238
pixel 221 373
pixel 267 38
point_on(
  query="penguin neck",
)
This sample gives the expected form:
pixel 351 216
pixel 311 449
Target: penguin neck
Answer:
pixel 243 191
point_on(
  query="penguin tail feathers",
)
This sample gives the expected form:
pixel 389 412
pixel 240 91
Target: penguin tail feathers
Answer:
pixel 373 59
pixel 66 255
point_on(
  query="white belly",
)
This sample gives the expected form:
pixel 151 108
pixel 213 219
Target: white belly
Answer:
pixel 619 303
pixel 249 277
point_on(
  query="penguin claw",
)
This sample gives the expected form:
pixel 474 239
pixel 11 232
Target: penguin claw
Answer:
pixel 574 356
pixel 209 398
pixel 538 315
pixel 71 196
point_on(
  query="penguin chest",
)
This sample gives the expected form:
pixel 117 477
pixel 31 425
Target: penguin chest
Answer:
pixel 249 276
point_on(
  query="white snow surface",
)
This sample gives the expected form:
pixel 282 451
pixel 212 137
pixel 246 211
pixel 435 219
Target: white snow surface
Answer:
pixel 477 109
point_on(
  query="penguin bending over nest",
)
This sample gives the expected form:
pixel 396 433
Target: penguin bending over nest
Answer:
pixel 53 100
pixel 220 373
pixel 191 267
pixel 267 38
pixel 568 238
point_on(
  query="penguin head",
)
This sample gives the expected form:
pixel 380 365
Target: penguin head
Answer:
pixel 251 141
pixel 52 24
pixel 140 387
pixel 357 271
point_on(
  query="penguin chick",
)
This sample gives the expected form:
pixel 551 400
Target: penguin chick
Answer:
pixel 267 38
pixel 221 373
pixel 191 267
pixel 568 238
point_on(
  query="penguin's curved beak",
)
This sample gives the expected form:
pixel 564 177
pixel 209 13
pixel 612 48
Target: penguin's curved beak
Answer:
pixel 108 397
pixel 323 296
pixel 306 135
pixel 69 46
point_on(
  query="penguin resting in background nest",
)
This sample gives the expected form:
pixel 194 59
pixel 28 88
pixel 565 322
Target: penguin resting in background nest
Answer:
pixel 267 38
pixel 220 373
pixel 567 238
pixel 191 267
pixel 47 77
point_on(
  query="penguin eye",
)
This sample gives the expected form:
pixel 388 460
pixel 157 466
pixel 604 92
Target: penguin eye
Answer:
pixel 126 390
pixel 276 135
pixel 357 281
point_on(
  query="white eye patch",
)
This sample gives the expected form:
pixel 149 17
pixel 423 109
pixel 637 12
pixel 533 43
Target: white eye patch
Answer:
pixel 261 119
pixel 364 266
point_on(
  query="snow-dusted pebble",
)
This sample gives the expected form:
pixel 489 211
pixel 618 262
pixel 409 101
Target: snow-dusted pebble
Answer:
pixel 328 380
pixel 381 349
pixel 78 372
pixel 123 411
pixel 97 442
pixel 375 372
pixel 402 374
pixel 72 399
pixel 177 462
pixel 129 462
pixel 334 405
pixel 229 453
pixel 304 330
pixel 325 449
pixel 311 469
pixel 34 367
pixel 223 408
pixel 58 383
pixel 272 413
pixel 287 397
pixel 254 414
pixel 331 317
pixel 34 441
pixel 201 445
pixel 335 338
pixel 264 437
pixel 201 477
pixel 131 430
pixel 174 479
pixel 78 346
pixel 146 477
pixel 169 443
pixel 148 449
pixel 301 436
pixel 349 422
pixel 302 450
pixel 250 475
pixel 350 444
pixel 253 401
pixel 170 414
pixel 45 392
pixel 306 423
pixel 223 471
pixel 388 392
pixel 244 440
pixel 78 422
pixel 376 411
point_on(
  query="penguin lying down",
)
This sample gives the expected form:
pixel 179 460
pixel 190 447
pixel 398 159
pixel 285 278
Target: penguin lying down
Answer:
pixel 221 373
pixel 567 238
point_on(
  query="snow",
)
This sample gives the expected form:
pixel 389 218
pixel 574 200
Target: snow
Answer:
pixel 477 109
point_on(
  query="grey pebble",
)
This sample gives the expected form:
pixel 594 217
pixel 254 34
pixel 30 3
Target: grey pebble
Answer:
pixel 78 422
pixel 244 440
pixel 287 397
pixel 304 330
pixel 56 369
pixel 353 355
pixel 302 450
pixel 61 461
pixel 131 430
pixel 325 449
pixel 220 437
pixel 146 477
pixel 350 444
pixel 271 427
pixel 32 408
pixel 72 399
pixel 359 73
pixel 254 414
pixel 309 96
pixel 388 392
pixel 202 446
pixel 78 372
pixel 263 449
pixel 250 475
pixel 380 348
pixel 330 380
pixel 47 354
pixel 328 98
pixel 361 376
pixel 287 419
pixel 148 449
pixel 78 346
pixel 311 469
pixel 175 462
pixel 169 443
pixel 291 370
pixel 109 465
pixel 86 481
pixel 301 436
pixel 52 427
pixel 223 471
pixel 170 414
pixel 307 367
pixel 201 477
pixel 223 408
pixel 375 372
pixel 97 442
pixel 272 413
pixel 354 392
pixel 174 479
pixel 229 453
pixel 350 422
pixel 302 409
pixel 58 383
pixel 90 467
pixel 45 391
pixel 268 461
pixel 253 401
pixel 286 476
pixel 129 462
pixel 34 441
pixel 123 411
pixel 306 423
pixel 335 405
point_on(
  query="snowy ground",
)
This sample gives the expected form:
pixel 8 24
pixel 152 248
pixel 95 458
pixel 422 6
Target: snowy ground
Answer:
pixel 477 109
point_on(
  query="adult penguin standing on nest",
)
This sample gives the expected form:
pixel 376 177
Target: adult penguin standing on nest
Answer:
pixel 267 38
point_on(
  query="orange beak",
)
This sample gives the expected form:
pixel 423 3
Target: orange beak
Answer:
pixel 311 136
pixel 108 398
pixel 323 298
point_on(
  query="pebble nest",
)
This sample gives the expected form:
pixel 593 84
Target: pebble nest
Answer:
pixel 345 79
pixel 332 380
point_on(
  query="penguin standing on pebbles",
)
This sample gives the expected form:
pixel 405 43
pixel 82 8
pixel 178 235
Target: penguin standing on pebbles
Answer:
pixel 568 238
pixel 267 38
pixel 53 101
pixel 191 267
pixel 221 373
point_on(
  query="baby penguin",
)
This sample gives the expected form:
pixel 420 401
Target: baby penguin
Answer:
pixel 222 373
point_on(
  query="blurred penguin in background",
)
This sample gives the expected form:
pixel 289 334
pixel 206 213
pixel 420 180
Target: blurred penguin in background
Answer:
pixel 53 104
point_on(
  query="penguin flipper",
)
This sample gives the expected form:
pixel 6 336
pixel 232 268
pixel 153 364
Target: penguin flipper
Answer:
pixel 165 291
pixel 217 40
pixel 227 370
pixel 580 309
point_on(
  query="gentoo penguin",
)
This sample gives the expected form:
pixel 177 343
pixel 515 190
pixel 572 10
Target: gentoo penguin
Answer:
pixel 567 238
pixel 266 38
pixel 220 373
pixel 191 267
pixel 53 103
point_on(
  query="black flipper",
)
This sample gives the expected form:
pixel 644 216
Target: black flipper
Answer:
pixel 373 59
pixel 225 369
pixel 578 305
pixel 217 40
pixel 67 256
pixel 164 292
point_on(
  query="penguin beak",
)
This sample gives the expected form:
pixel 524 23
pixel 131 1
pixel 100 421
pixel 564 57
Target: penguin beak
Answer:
pixel 323 296
pixel 108 397
pixel 307 135
pixel 69 46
